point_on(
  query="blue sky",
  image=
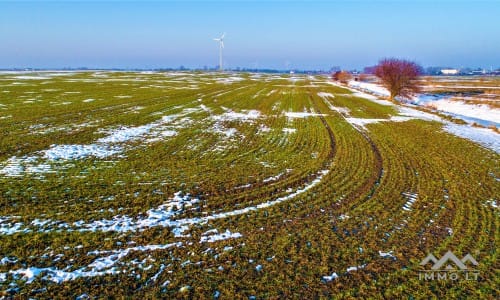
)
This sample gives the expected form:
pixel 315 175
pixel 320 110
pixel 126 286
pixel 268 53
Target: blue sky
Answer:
pixel 264 34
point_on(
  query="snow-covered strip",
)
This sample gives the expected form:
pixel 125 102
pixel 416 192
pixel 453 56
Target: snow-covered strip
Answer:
pixel 370 87
pixel 460 108
pixel 289 130
pixel 417 114
pixel 273 178
pixel 334 275
pixel 405 114
pixel 411 197
pixel 298 115
pixel 329 278
pixel 162 216
pixel 31 77
pixel 215 236
pixel 11 228
pixel 99 267
pixel 205 108
pixel 325 96
pixel 356 91
pixel 483 136
pixel 270 93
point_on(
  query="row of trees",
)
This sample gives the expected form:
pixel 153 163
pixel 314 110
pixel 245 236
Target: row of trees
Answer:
pixel 398 76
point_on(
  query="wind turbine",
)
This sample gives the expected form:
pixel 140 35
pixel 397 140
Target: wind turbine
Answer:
pixel 221 46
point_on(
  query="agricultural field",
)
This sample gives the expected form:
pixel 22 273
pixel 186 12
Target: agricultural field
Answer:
pixel 471 89
pixel 235 186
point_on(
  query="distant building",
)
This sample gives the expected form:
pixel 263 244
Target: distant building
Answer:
pixel 450 71
pixel 478 72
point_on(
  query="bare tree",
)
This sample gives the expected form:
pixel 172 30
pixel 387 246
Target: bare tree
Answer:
pixel 342 76
pixel 399 76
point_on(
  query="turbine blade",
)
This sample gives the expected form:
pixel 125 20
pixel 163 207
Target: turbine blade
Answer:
pixel 222 35
pixel 222 44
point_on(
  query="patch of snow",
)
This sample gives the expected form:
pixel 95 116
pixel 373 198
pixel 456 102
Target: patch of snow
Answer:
pixel 215 237
pixel 460 108
pixel 7 260
pixel 68 152
pixel 406 114
pixel 329 278
pixel 417 114
pixel 230 80
pixel 370 87
pixel 264 128
pixel 411 197
pixel 296 115
pixel 450 231
pixel 386 254
pixel 244 115
pixel 205 108
pixel 9 228
pixel 344 217
pixel 326 95
pixel 289 130
pixel 229 132
pixel 360 122
pixel 356 88
pixel 483 136
pixel 31 77
pixel 273 178
pixel 125 134
pixel 82 297
pixel 350 269
pixel 270 93
pixel 492 203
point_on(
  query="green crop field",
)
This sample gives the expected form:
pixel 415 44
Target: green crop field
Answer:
pixel 234 186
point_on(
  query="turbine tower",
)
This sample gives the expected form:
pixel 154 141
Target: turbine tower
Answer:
pixel 221 46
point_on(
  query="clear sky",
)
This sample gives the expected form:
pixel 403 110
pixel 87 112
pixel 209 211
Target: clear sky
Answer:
pixel 263 34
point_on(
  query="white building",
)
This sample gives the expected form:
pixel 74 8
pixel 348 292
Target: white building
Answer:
pixel 449 71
